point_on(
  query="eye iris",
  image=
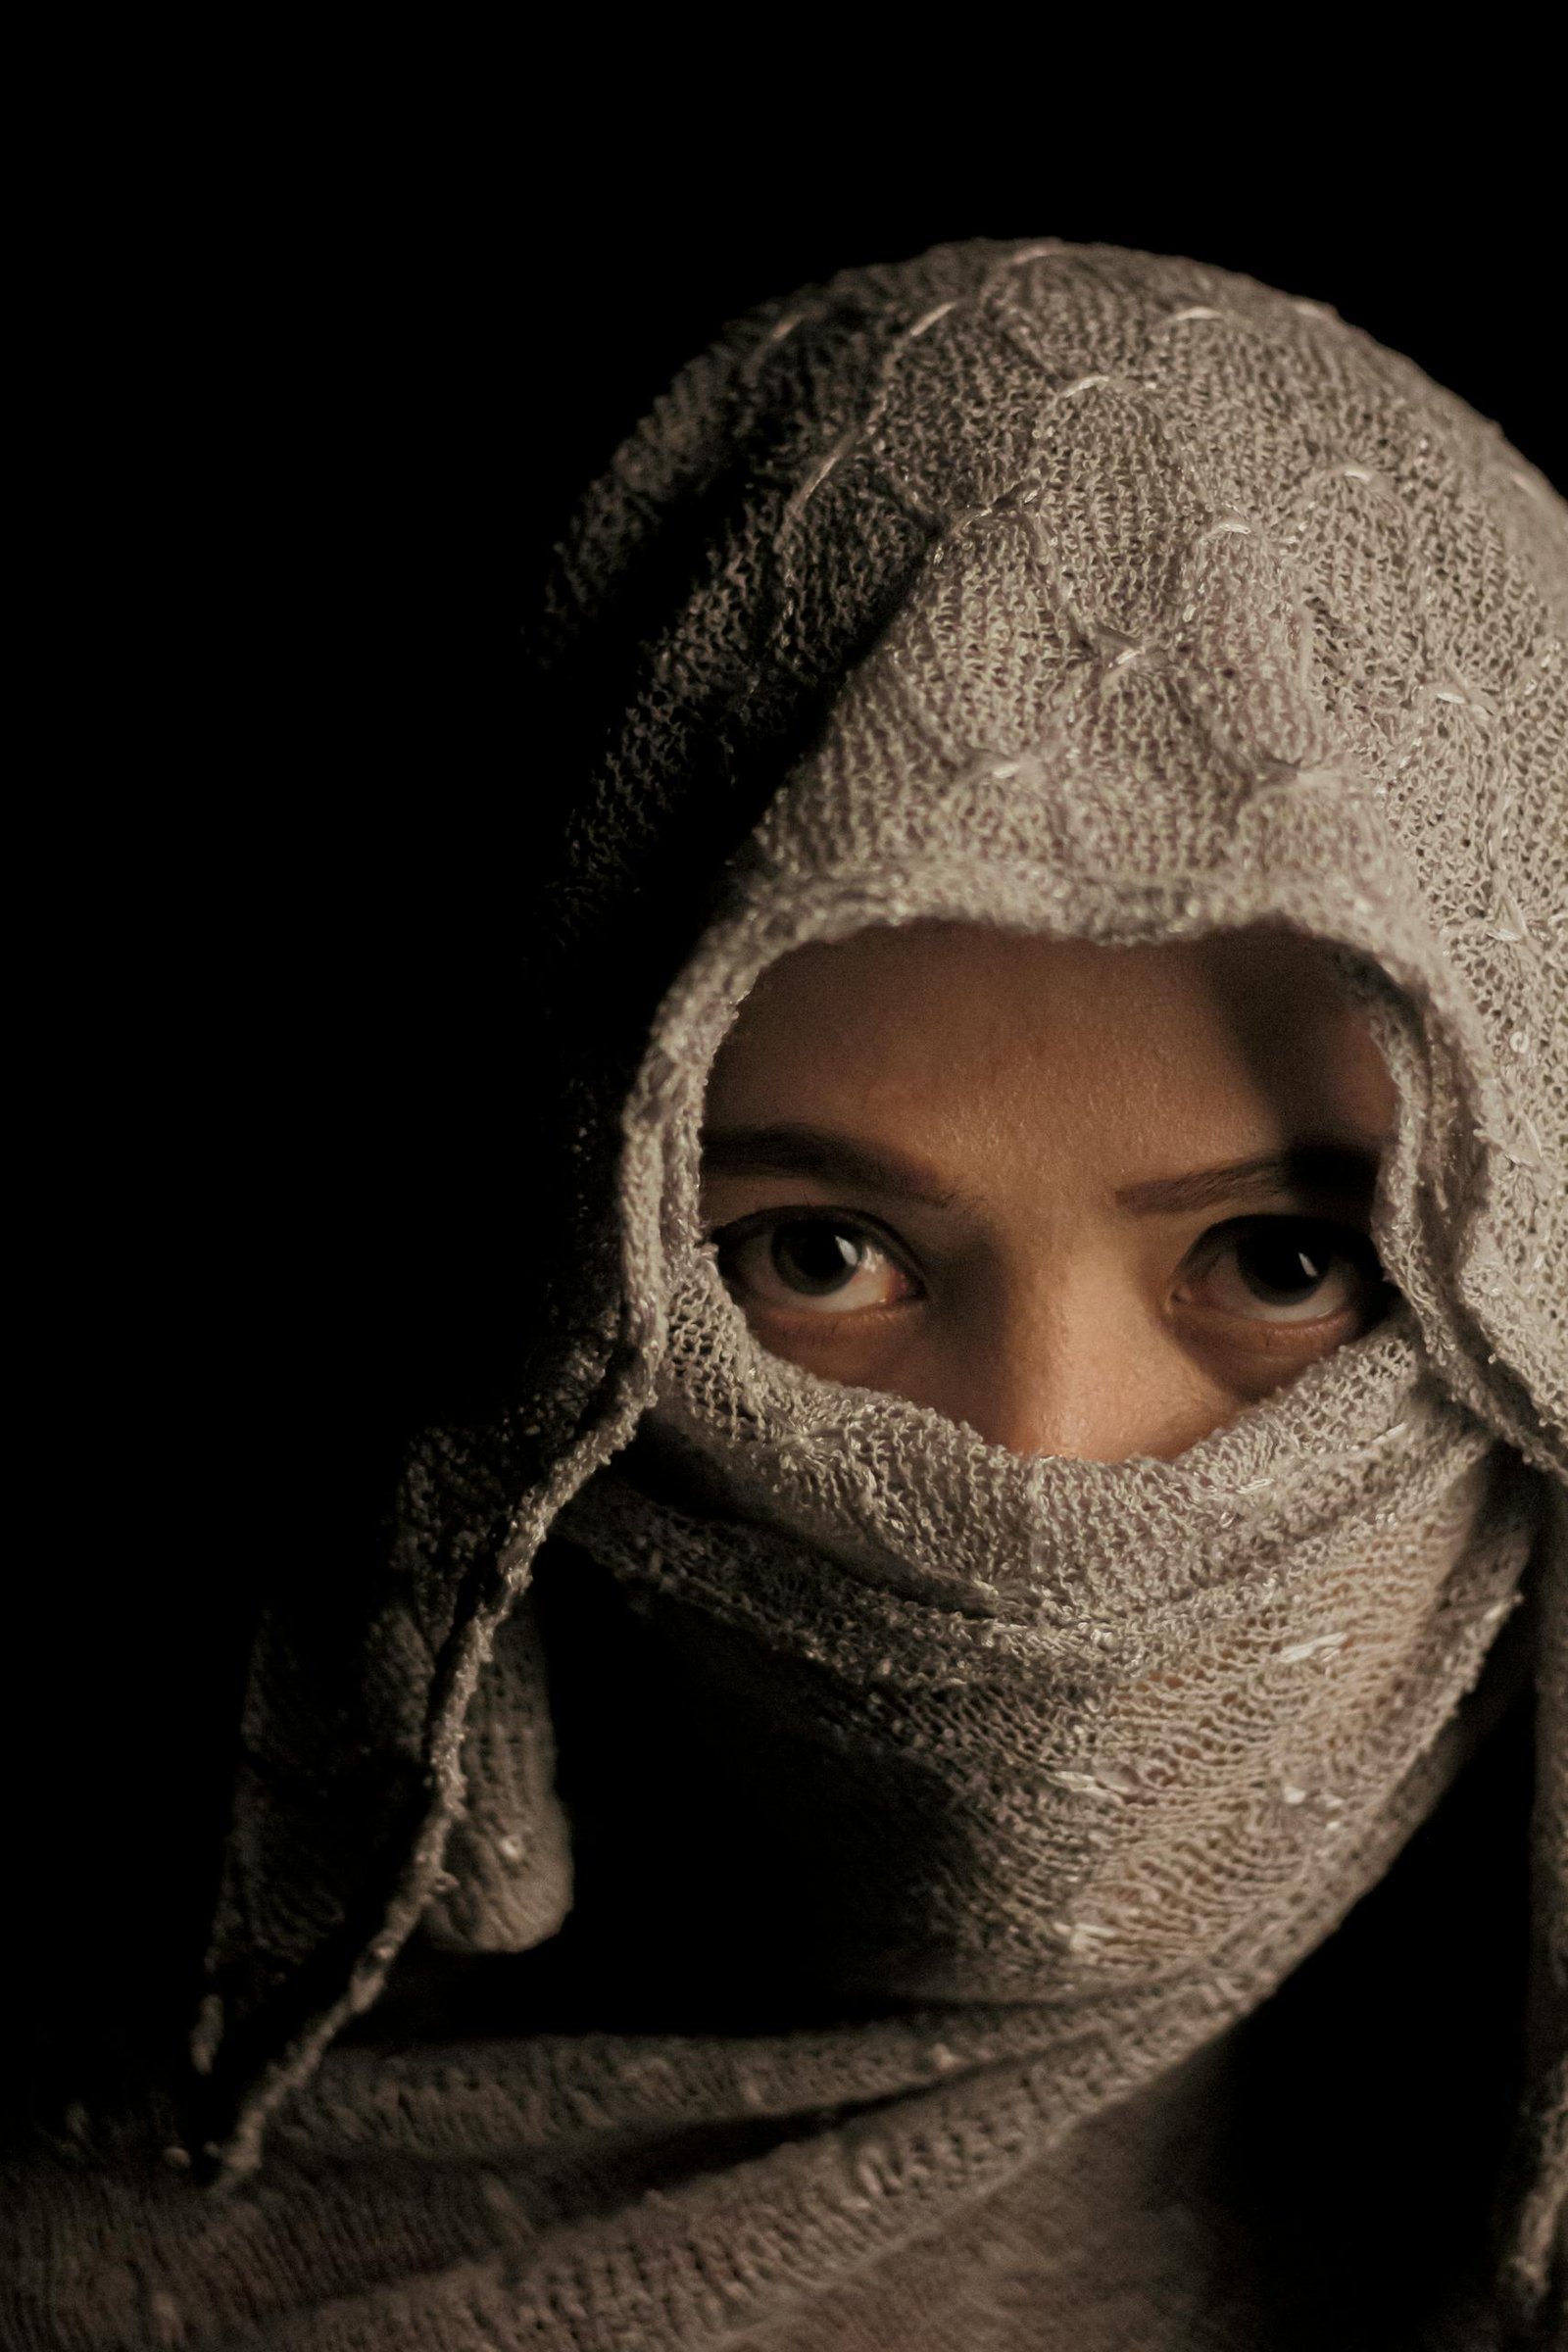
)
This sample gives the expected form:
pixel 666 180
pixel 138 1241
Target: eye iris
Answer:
pixel 1280 1268
pixel 816 1257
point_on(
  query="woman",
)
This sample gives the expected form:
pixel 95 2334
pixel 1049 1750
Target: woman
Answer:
pixel 929 1783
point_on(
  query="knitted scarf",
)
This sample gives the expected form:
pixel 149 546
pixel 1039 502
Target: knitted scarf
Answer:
pixel 767 1867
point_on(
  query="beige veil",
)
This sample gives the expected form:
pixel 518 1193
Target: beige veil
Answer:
pixel 1077 590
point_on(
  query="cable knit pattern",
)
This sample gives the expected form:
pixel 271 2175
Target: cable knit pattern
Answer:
pixel 1088 592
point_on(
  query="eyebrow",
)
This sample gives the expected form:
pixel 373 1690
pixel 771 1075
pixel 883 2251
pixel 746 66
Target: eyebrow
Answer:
pixel 798 1150
pixel 1304 1167
pixel 793 1149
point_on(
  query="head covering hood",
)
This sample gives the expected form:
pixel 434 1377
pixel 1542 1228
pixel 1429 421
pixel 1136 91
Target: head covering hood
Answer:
pixel 1083 591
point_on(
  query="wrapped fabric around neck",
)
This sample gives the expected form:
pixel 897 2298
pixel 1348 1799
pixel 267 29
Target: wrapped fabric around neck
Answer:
pixel 1092 1731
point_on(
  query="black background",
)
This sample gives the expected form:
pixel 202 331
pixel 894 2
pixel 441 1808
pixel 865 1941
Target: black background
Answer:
pixel 329 356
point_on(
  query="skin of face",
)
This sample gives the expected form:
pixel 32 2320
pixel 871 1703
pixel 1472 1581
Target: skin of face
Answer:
pixel 966 1104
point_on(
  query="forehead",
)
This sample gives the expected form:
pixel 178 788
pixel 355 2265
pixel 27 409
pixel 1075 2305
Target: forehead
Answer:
pixel 937 1014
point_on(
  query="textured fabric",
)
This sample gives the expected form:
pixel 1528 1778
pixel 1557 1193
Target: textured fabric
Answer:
pixel 1083 592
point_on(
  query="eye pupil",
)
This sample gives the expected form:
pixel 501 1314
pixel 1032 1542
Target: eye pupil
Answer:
pixel 1279 1267
pixel 814 1256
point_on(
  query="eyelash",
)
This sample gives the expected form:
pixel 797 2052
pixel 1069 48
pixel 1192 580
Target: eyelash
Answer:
pixel 1348 1243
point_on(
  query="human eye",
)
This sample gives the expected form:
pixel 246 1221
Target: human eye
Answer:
pixel 817 1261
pixel 1304 1278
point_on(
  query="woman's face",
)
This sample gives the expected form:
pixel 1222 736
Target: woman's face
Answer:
pixel 1091 1201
